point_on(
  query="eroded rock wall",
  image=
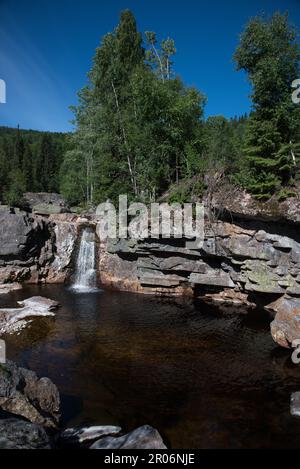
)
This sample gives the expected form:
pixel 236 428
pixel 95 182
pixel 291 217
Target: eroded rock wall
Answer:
pixel 244 257
pixel 239 257
pixel 36 249
pixel 26 246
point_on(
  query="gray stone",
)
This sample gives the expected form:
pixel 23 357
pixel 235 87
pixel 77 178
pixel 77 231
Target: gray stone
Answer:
pixel 217 278
pixel 160 280
pixel 286 326
pixel 45 203
pixel 23 394
pixel 18 434
pixel 144 437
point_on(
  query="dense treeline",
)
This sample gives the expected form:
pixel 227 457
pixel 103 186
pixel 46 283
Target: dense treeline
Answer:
pixel 139 127
pixel 270 55
pixel 29 161
pixel 140 130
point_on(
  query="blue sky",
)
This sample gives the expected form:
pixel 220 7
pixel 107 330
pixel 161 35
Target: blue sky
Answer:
pixel 46 48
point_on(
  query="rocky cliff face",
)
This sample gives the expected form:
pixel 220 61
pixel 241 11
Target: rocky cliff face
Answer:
pixel 242 257
pixel 37 249
pixel 254 251
pixel 26 246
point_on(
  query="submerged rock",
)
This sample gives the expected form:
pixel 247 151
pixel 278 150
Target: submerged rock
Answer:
pixel 228 297
pixel 145 437
pixel 22 393
pixel 14 319
pixel 286 326
pixel 18 434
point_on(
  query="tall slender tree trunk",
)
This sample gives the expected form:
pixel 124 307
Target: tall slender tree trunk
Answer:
pixel 160 62
pixel 131 172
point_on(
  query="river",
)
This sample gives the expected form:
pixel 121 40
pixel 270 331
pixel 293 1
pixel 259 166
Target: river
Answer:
pixel 203 379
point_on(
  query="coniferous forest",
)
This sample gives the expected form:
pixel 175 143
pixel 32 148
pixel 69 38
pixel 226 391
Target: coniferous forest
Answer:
pixel 140 130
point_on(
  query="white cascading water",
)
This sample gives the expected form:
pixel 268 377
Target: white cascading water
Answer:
pixel 85 275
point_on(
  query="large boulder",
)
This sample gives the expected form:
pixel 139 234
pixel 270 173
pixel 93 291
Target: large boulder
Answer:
pixel 23 394
pixel 44 203
pixel 18 434
pixel 242 205
pixel 286 326
pixel 21 236
pixel 26 246
pixel 145 437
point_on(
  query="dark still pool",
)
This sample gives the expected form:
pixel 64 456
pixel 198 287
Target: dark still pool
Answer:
pixel 203 379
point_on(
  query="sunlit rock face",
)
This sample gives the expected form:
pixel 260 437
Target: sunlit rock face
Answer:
pixel 255 255
pixel 43 203
pixel 66 230
pixel 26 246
pixel 38 249
pixel 285 328
pixel 243 257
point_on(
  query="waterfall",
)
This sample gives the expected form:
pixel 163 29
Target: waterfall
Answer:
pixel 85 274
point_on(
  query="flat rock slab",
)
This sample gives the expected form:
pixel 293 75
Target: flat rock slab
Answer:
pixel 15 319
pixel 145 437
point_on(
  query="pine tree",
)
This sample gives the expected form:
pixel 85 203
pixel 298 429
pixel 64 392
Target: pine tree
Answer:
pixel 27 168
pixel 45 164
pixel 19 150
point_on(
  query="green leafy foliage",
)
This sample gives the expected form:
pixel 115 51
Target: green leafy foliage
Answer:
pixel 269 53
pixel 138 127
